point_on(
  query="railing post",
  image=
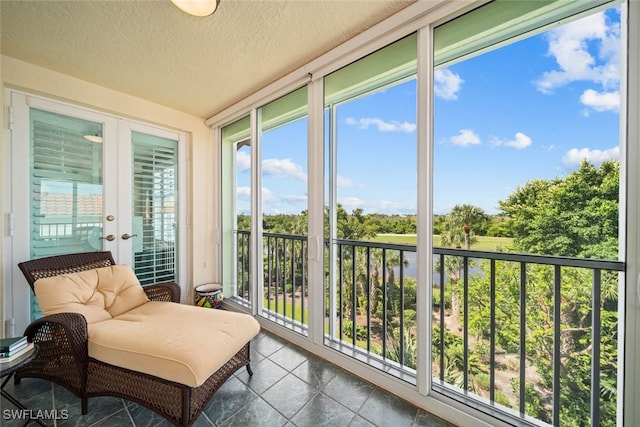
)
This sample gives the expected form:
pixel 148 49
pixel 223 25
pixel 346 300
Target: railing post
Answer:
pixel 595 348
pixel 368 290
pixel 557 320
pixel 401 356
pixel 442 324
pixel 523 335
pixel 465 323
pixel 492 333
pixel 385 296
pixel 354 296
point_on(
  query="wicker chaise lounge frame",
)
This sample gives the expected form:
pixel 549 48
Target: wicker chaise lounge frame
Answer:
pixel 63 357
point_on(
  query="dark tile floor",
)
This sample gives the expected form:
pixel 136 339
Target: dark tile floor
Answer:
pixel 290 387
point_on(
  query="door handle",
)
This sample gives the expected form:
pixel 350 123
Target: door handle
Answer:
pixel 126 236
pixel 110 238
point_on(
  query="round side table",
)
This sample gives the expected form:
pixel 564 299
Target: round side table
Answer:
pixel 8 369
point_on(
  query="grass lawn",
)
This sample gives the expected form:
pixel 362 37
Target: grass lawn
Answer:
pixel 271 305
pixel 484 243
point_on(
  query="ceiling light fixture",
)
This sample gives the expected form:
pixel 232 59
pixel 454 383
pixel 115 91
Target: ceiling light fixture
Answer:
pixel 197 7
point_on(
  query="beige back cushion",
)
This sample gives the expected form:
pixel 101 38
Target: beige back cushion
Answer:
pixel 98 294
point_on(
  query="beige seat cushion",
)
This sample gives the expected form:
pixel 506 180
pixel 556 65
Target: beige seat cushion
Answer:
pixel 177 342
pixel 98 294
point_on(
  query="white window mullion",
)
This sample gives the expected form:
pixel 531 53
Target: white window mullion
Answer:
pixel 424 242
pixel 315 185
pixel 629 375
pixel 333 221
pixel 257 270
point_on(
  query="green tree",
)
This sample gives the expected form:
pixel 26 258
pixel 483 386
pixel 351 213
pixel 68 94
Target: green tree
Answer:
pixel 572 216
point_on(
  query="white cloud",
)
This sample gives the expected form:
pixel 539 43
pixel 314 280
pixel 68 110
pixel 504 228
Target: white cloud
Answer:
pixel 447 84
pixel 243 192
pixel 295 198
pixel 350 203
pixel 465 137
pixel 569 45
pixel 576 155
pixel 345 182
pixel 391 208
pixel 520 141
pixel 383 126
pixel 601 101
pixel 268 197
pixel 283 168
pixel 243 161
pixel 279 168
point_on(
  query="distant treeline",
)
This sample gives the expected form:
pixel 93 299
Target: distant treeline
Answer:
pixel 378 223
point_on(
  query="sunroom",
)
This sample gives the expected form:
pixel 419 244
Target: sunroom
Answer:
pixel 444 203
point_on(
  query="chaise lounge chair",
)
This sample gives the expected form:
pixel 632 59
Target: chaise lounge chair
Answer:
pixel 103 334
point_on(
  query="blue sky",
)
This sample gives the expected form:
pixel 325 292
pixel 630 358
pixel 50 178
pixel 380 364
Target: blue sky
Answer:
pixel 531 109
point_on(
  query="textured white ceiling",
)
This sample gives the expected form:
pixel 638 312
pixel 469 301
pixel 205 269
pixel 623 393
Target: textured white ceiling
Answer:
pixel 153 50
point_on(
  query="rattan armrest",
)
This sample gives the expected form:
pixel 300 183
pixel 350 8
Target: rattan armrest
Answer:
pixel 61 333
pixel 168 291
pixel 63 353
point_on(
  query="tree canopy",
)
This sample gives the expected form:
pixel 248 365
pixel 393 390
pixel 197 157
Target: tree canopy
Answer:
pixel 572 216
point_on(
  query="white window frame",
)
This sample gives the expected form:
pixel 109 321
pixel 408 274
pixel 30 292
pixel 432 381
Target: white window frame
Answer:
pixel 421 17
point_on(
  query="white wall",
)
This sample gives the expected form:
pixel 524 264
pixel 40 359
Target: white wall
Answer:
pixel 42 82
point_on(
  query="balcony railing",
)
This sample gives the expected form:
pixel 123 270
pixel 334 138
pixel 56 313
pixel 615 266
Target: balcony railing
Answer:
pixel 528 338
pixel 285 276
pixel 545 319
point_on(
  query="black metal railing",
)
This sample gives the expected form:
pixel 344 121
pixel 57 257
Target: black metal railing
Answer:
pixel 552 307
pixel 284 275
pixel 243 265
pixel 375 287
pixel 539 319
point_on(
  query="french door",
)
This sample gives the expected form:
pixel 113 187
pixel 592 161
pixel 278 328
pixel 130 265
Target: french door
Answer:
pixel 85 181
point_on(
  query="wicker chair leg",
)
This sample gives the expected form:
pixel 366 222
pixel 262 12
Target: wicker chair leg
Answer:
pixel 249 370
pixel 85 405
pixel 186 406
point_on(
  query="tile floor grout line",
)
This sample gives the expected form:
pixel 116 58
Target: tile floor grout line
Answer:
pixel 302 407
pixel 126 408
pixel 53 404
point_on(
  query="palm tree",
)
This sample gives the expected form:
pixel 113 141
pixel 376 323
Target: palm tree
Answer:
pixel 458 230
pixel 464 217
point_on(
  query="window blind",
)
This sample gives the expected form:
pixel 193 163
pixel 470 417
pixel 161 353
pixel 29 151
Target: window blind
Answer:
pixel 66 186
pixel 155 215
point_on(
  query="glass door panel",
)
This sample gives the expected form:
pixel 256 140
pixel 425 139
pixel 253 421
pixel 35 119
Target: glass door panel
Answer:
pixel 371 199
pixel 236 210
pixel 282 136
pixel 66 191
pixel 524 151
pixel 154 235
pixel 66 184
